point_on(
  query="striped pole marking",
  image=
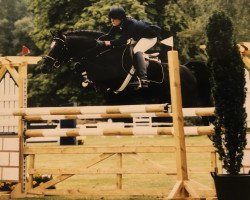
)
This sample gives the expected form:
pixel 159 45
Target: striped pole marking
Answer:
pixel 95 116
pixel 187 112
pixel 125 109
pixel 200 130
pixel 89 113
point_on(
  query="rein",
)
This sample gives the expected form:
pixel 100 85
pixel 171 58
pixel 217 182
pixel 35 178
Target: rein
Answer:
pixel 56 63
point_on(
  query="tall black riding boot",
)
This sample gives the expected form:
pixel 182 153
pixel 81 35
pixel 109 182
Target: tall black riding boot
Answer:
pixel 141 69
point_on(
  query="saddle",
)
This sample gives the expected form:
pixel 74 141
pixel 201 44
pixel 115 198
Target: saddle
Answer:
pixel 152 56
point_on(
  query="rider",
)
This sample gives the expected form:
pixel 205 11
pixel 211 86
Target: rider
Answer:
pixel 143 33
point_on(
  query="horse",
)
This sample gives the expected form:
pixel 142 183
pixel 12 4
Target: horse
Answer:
pixel 108 67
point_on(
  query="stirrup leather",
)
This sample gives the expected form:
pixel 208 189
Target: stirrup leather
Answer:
pixel 126 81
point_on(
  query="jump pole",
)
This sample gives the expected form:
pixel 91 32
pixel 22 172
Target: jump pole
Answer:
pixel 182 188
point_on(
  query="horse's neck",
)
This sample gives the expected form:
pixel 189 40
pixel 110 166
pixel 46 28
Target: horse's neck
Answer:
pixel 85 33
pixel 80 41
pixel 78 45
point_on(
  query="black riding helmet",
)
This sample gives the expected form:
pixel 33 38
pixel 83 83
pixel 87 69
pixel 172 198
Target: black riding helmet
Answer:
pixel 117 13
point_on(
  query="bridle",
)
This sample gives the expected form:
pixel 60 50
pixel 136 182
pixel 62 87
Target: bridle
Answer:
pixel 56 62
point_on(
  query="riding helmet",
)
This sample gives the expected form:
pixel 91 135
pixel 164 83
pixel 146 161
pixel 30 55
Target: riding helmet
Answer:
pixel 117 13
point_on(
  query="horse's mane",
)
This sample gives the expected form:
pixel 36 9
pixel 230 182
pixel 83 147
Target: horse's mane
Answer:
pixel 92 33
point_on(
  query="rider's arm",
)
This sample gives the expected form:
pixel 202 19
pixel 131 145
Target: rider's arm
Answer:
pixel 112 32
pixel 107 43
pixel 116 42
pixel 110 35
pixel 120 41
pixel 127 33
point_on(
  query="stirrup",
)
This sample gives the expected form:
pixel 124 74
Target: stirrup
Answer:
pixel 135 82
pixel 143 84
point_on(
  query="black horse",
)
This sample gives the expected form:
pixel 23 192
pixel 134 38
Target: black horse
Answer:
pixel 107 68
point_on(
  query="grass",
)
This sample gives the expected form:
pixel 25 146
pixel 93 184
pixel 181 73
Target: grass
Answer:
pixel 196 162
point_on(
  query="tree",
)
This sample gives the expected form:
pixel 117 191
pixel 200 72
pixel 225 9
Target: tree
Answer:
pixel 95 17
pixel 175 21
pixel 196 15
pixel 3 37
pixel 53 16
pixel 228 89
pixel 21 35
pixel 10 12
pixel 239 12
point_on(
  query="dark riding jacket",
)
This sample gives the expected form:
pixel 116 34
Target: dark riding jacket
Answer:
pixel 132 28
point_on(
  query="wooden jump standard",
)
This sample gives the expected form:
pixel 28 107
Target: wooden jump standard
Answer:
pixel 184 188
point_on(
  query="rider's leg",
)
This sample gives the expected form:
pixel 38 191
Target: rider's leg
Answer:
pixel 143 45
pixel 140 65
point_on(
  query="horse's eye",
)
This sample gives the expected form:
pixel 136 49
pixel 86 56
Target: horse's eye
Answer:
pixel 53 44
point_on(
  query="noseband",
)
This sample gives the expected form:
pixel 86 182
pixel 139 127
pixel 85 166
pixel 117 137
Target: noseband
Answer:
pixel 57 63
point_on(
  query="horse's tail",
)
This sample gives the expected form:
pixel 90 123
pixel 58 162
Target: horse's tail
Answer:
pixel 201 73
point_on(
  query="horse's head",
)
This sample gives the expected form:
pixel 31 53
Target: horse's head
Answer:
pixel 75 44
pixel 57 55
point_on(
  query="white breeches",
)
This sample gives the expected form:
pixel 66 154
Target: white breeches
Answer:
pixel 144 44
